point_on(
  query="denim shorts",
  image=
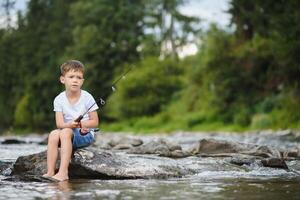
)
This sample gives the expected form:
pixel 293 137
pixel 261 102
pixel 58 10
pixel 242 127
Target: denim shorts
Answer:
pixel 80 141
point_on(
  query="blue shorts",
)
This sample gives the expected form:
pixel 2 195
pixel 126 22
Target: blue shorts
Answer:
pixel 80 141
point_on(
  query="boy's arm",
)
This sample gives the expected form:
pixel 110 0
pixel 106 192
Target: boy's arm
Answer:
pixel 92 122
pixel 59 118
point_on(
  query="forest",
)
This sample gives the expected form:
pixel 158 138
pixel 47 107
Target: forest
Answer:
pixel 244 77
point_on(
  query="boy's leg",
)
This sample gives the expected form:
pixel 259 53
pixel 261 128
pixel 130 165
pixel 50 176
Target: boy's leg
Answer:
pixel 52 152
pixel 65 136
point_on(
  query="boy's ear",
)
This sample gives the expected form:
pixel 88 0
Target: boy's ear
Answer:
pixel 62 79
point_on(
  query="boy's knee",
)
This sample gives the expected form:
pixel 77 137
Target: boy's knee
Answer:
pixel 53 136
pixel 66 133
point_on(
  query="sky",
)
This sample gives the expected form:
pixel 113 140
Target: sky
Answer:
pixel 209 11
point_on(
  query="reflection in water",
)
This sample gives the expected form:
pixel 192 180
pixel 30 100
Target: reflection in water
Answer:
pixel 193 187
pixel 275 189
pixel 63 190
pixel 64 186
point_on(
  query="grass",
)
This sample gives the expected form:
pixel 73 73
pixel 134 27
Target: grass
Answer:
pixel 149 125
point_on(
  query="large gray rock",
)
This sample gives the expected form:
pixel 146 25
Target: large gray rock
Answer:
pixel 213 146
pixel 92 163
pixel 151 160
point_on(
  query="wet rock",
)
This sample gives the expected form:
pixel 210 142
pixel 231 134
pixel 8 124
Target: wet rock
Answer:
pixel 125 140
pixel 95 164
pixel 292 153
pixel 122 146
pixel 213 146
pixel 7 171
pixel 35 164
pixel 26 178
pixel 275 163
pixel 160 147
pixel 13 141
pixel 135 158
pixel 242 160
pixel 263 151
pixel 289 135
pixel 179 154
pixel 5 168
pixel 266 162
pixel 44 141
pixel 116 141
pixel 295 165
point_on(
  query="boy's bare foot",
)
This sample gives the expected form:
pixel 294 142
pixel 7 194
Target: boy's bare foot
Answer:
pixel 60 177
pixel 47 175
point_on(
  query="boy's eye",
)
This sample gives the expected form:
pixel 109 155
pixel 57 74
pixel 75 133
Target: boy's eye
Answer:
pixel 77 77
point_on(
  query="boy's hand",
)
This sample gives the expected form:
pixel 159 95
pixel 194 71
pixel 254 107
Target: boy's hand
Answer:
pixel 74 124
pixel 84 131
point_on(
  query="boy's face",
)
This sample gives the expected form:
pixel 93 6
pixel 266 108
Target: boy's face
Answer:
pixel 72 80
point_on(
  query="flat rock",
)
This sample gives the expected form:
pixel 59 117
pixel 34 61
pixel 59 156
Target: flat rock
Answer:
pixel 92 163
pixel 213 146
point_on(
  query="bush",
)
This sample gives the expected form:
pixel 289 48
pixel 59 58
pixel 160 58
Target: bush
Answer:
pixel 22 115
pixel 242 117
pixel 267 105
pixel 261 121
pixel 147 89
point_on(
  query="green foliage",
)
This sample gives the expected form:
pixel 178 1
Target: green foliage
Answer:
pixel 267 104
pixel 22 115
pixel 147 88
pixel 9 77
pixel 242 117
pixel 248 79
pixel 43 43
pixel 286 110
pixel 261 121
pixel 106 35
pixel 277 22
pixel 211 81
pixel 245 79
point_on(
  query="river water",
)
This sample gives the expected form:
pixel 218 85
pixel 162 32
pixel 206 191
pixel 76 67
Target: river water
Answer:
pixel 256 183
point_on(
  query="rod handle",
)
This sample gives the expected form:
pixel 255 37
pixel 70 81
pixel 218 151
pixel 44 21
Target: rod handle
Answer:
pixel 79 118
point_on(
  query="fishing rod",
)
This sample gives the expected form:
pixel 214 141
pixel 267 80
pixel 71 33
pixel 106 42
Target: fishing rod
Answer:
pixel 102 101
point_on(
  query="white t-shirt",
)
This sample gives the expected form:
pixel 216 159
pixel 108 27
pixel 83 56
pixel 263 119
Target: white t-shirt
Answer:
pixel 72 111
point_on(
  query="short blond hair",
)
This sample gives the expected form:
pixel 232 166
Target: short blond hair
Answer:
pixel 71 65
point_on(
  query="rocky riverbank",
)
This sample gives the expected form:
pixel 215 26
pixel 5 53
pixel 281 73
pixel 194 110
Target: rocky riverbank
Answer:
pixel 120 156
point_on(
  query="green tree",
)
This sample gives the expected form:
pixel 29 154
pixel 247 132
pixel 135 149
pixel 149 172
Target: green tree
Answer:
pixel 278 22
pixel 106 35
pixel 42 43
pixel 10 79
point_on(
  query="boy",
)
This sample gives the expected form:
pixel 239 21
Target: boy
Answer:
pixel 68 105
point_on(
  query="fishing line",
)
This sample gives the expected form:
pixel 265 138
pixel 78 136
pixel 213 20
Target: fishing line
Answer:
pixel 102 101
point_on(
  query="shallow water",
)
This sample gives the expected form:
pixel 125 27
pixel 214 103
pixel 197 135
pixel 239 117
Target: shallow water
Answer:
pixel 195 187
pixel 255 183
